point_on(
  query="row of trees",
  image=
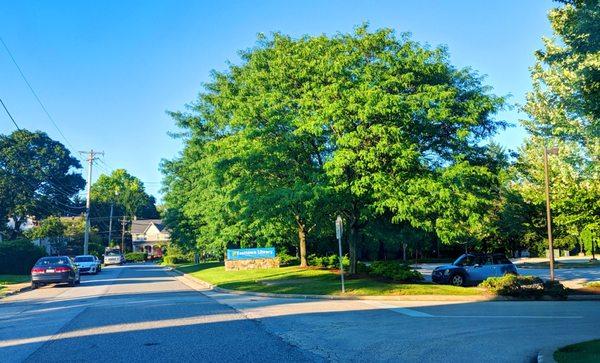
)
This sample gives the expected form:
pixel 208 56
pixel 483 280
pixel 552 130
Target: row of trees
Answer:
pixel 389 134
pixel 41 180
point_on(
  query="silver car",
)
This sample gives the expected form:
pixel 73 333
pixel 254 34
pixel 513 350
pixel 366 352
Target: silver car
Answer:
pixel 114 257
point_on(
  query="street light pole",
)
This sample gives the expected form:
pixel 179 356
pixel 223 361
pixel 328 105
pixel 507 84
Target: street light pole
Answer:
pixel 553 151
pixel 339 227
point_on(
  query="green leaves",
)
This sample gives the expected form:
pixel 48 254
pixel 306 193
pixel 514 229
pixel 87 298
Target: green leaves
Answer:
pixel 355 124
pixel 122 189
pixel 37 177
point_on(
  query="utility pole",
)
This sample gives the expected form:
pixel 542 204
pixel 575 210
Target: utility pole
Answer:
pixel 92 156
pixel 111 218
pixel 123 224
pixel 553 151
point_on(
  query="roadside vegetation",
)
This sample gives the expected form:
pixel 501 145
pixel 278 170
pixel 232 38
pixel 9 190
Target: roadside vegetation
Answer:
pixel 389 134
pixel 586 352
pixel 312 281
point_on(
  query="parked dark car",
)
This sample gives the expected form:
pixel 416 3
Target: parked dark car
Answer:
pixel 473 268
pixel 55 269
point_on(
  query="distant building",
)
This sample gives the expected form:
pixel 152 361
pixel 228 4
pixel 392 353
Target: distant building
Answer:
pixel 150 236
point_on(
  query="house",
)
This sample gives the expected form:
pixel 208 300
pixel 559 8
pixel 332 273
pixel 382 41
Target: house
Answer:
pixel 150 236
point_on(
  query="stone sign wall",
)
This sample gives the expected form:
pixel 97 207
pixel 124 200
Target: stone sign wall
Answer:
pixel 237 265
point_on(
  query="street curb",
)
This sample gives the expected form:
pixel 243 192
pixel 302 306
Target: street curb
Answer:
pixel 15 291
pixel 474 298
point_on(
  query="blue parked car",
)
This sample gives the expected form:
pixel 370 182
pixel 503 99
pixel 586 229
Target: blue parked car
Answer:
pixel 473 268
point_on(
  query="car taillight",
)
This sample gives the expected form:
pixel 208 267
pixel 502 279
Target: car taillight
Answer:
pixel 62 269
pixel 37 270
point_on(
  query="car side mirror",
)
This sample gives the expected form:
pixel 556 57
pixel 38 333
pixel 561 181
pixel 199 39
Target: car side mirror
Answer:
pixel 476 265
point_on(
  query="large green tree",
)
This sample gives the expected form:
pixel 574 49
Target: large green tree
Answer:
pixel 124 190
pixel 38 177
pixel 564 111
pixel 307 127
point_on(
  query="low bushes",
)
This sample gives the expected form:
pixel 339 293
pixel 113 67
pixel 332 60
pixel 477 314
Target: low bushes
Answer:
pixel 524 287
pixel 176 255
pixel 136 256
pixel 332 261
pixel 18 257
pixel 287 260
pixel 394 271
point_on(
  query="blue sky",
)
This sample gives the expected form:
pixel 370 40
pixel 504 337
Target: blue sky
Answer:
pixel 108 70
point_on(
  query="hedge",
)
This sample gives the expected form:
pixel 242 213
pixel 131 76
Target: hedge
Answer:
pixel 136 256
pixel 394 271
pixel 18 257
pixel 524 287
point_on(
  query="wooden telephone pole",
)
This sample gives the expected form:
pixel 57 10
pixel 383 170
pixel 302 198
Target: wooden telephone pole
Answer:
pixel 123 224
pixel 91 157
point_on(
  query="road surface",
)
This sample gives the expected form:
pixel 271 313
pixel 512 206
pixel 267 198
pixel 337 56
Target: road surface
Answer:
pixel 140 313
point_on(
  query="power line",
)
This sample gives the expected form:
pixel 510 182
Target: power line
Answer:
pixel 9 115
pixel 34 93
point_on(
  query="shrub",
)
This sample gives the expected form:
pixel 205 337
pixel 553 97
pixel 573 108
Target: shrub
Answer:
pixel 331 261
pixel 524 287
pixel 176 255
pixel 173 260
pixel 286 259
pixel 361 268
pixel 136 256
pixel 395 271
pixel 18 257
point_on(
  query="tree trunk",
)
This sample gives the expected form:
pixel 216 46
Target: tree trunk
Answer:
pixel 352 241
pixel 302 239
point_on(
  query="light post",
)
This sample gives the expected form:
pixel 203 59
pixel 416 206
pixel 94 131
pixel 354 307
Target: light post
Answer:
pixel 553 151
pixel 339 228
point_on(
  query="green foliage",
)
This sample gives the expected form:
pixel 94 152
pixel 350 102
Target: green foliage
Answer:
pixel 330 262
pixel 136 256
pixel 125 191
pixel 176 255
pixel 18 257
pixel 524 287
pixel 394 271
pixel 304 129
pixel 287 260
pixel 38 177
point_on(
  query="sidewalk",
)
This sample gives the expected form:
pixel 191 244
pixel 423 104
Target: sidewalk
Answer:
pixel 14 289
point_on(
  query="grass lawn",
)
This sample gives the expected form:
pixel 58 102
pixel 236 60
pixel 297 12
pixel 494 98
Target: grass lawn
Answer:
pixel 12 279
pixel 579 353
pixel 559 264
pixel 294 280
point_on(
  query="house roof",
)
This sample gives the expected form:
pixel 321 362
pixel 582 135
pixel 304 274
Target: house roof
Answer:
pixel 141 225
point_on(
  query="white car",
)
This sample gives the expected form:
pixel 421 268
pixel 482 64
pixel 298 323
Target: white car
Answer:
pixel 114 258
pixel 88 264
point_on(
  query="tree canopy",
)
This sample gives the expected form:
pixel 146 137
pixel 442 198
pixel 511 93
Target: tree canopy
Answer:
pixel 353 124
pixel 38 177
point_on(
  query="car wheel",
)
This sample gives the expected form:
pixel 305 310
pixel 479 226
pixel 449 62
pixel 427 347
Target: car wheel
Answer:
pixel 34 285
pixel 72 282
pixel 457 280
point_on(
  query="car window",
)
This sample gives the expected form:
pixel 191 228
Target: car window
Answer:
pixel 487 260
pixel 465 260
pixel 53 261
pixel 84 259
pixel 501 260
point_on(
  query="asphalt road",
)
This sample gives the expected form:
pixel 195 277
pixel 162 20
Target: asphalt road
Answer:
pixel 145 313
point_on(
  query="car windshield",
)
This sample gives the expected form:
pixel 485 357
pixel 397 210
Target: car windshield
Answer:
pixel 84 259
pixel 53 261
pixel 464 260
pixel 113 253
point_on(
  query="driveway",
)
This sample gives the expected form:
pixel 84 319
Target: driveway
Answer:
pixel 144 313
